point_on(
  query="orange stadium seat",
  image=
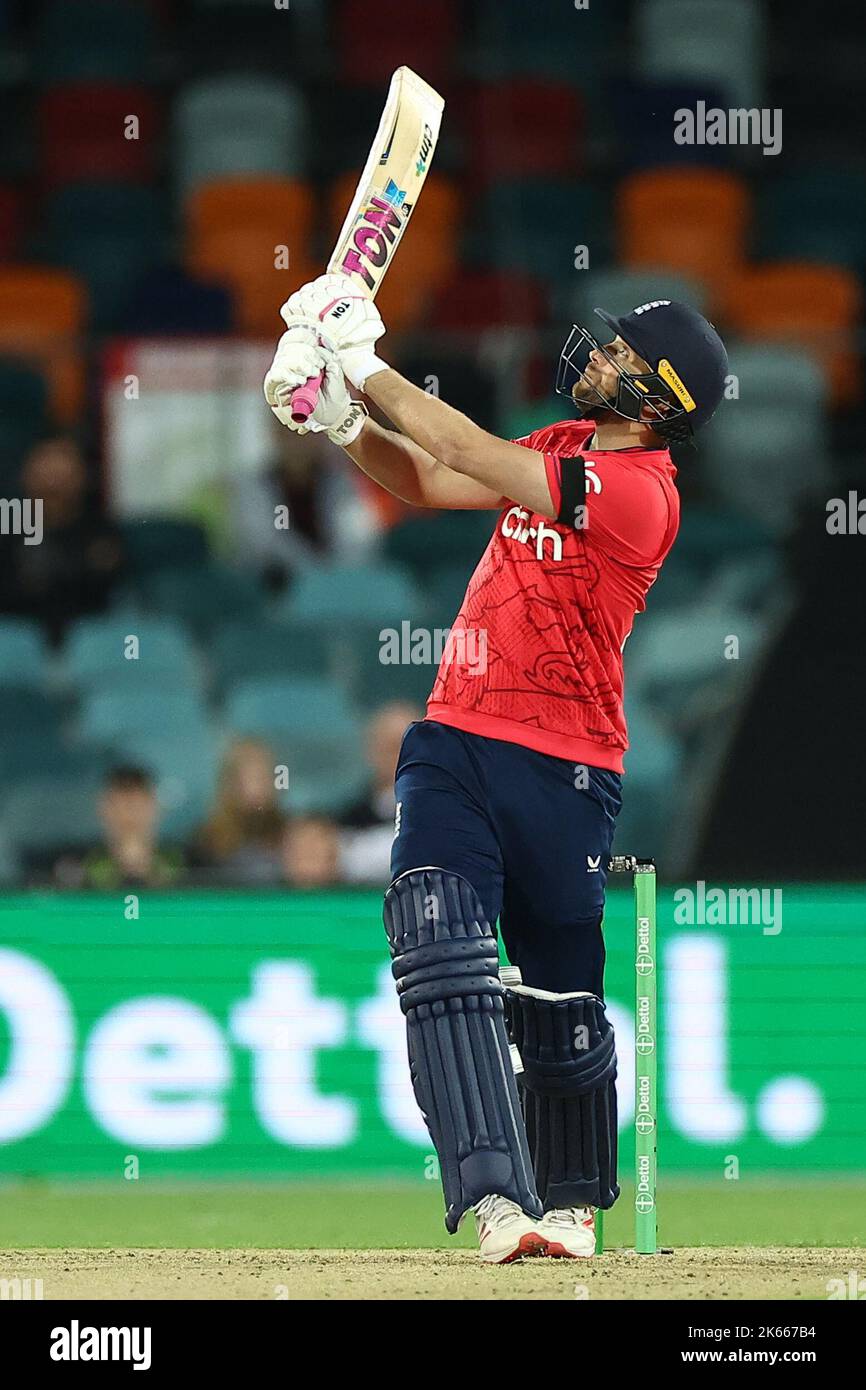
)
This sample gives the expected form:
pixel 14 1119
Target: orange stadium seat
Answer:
pixel 233 229
pixel 691 220
pixel 373 40
pixel 525 128
pixel 43 313
pixel 83 133
pixel 428 251
pixel 806 304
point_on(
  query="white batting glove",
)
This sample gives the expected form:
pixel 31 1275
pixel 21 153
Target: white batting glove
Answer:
pixel 335 413
pixel 350 322
pixel 297 358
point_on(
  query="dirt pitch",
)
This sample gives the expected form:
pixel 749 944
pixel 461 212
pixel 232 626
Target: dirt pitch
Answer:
pixel 734 1273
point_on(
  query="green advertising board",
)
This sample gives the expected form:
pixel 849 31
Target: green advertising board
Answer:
pixel 259 1035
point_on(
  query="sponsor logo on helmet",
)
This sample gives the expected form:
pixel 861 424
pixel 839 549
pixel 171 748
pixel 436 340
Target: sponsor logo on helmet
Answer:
pixel 677 385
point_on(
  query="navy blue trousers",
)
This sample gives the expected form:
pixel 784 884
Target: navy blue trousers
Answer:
pixel 531 833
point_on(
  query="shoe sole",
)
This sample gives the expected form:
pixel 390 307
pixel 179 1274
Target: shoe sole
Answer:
pixel 529 1245
pixel 556 1251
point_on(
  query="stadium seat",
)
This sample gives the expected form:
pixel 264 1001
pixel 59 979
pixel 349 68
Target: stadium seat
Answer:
pixel 107 716
pixel 83 133
pixel 108 234
pixel 556 40
pixel 24 659
pixel 234 227
pixel 473 300
pixel 817 214
pixel 42 318
pixel 764 452
pixel 10 221
pixel 645 114
pixel 693 221
pixel 24 412
pixel 371 42
pixel 166 301
pixel 676 663
pixel 160 543
pixel 721 41
pixel 94 655
pixel 815 307
pixel 51 814
pixel 525 128
pixel 248 126
pixel 428 252
pixel 619 291
pixel 202 597
pixel 342 596
pixel 255 650
pixel 185 768
pixel 536 225
pixel 432 541
pixel 304 704
pixel 94 41
pixel 312 728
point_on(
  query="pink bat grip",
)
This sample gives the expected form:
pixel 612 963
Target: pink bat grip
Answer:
pixel 304 398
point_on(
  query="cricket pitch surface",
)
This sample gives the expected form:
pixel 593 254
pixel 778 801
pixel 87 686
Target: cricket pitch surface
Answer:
pixel 736 1272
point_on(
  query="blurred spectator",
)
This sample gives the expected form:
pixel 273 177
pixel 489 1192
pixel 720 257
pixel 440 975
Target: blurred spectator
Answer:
pixel 72 570
pixel 131 856
pixel 311 853
pixel 331 514
pixel 368 825
pixel 241 840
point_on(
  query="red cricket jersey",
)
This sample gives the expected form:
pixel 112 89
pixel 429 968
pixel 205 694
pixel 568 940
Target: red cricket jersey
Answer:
pixel 535 653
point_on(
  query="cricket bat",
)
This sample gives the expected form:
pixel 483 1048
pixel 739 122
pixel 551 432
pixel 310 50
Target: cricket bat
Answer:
pixel 387 192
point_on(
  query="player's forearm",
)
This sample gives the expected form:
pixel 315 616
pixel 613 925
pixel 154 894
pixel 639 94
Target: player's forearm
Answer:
pixel 413 475
pixel 395 463
pixel 437 428
pixel 496 467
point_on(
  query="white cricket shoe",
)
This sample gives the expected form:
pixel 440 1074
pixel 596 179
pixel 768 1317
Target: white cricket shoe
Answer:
pixel 569 1232
pixel 505 1232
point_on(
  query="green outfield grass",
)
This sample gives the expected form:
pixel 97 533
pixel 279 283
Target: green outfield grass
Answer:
pixel 811 1212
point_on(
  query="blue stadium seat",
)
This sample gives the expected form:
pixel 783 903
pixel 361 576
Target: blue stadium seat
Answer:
pixel 238 125
pixel 24 412
pixel 378 593
pixel 765 451
pixel 816 214
pixel 185 767
pixel 50 814
pixel 719 41
pixel 250 650
pixel 645 115
pixel 24 657
pixel 106 716
pixel 204 596
pixel 93 40
pixel 94 657
pixel 536 225
pixel 157 543
pixel 108 234
pixel 619 291
pixel 312 729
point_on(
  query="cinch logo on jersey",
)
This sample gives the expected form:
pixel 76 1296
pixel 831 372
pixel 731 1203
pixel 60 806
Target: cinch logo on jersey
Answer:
pixel 77 1343
pixel 515 525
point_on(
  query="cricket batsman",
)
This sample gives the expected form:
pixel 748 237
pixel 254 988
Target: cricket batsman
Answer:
pixel 509 789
